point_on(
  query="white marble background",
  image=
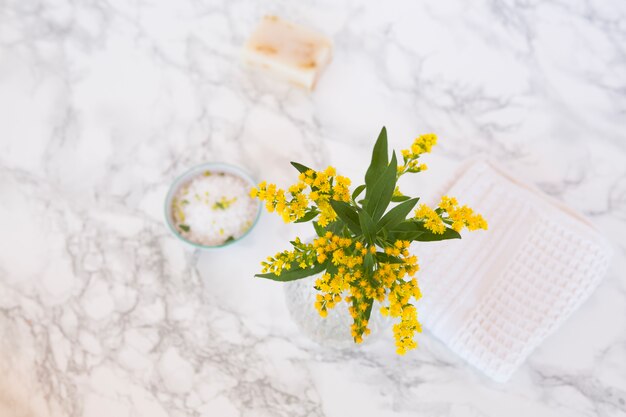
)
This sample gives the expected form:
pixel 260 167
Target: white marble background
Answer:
pixel 104 102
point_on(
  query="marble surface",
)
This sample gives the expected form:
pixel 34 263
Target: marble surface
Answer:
pixel 104 102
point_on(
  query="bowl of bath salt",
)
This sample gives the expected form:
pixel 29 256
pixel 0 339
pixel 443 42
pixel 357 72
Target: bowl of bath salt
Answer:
pixel 210 206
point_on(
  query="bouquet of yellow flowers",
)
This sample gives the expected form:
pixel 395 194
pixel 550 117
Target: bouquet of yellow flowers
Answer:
pixel 362 249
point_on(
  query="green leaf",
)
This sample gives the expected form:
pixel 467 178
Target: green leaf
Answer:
pixel 368 264
pixel 379 162
pixel 319 229
pixel 336 227
pixel 388 259
pixel 399 198
pixel 347 214
pixel 184 227
pixel 433 237
pixel 308 216
pixel 415 231
pixel 301 168
pixel 406 230
pixel 358 190
pixel 379 196
pixel 405 226
pixel 294 273
pixel 367 226
pixel 449 233
pixel 410 236
pixel 382 235
pixel 397 214
pixel 332 269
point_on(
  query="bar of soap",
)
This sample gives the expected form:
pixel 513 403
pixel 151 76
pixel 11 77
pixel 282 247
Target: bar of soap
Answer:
pixel 290 51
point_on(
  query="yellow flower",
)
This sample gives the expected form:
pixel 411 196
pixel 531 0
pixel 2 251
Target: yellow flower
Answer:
pixel 346 254
pixel 343 181
pixel 422 144
pixel 293 203
pixel 327 214
pixel 461 216
pixel 392 279
pixel 448 203
pixel 431 219
pixel 303 256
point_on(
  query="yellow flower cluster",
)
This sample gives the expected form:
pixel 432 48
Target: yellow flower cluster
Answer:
pixel 388 273
pixel 353 271
pixel 302 256
pixel 346 258
pixel 404 331
pixel 432 220
pixel 348 280
pixel 291 209
pixel 387 280
pixel 325 186
pixel 412 165
pixel 449 213
pixel 293 204
pixel 400 292
pixel 461 216
pixel 422 144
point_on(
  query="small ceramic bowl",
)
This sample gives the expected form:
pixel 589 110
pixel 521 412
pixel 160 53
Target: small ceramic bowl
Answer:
pixel 213 167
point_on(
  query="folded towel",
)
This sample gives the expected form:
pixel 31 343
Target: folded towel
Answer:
pixel 494 296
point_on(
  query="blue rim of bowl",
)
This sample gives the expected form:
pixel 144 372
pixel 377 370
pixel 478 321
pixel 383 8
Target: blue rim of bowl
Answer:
pixel 190 173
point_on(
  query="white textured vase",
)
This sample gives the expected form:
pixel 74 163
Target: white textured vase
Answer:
pixel 333 330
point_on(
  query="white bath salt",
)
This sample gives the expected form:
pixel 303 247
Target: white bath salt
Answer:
pixel 214 208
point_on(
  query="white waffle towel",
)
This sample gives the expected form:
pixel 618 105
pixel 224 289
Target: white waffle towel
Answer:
pixel 494 296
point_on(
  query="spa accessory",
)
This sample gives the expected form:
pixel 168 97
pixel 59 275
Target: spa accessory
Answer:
pixel 209 206
pixel 494 297
pixel 290 51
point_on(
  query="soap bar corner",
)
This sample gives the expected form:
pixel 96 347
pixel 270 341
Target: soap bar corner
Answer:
pixel 290 51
